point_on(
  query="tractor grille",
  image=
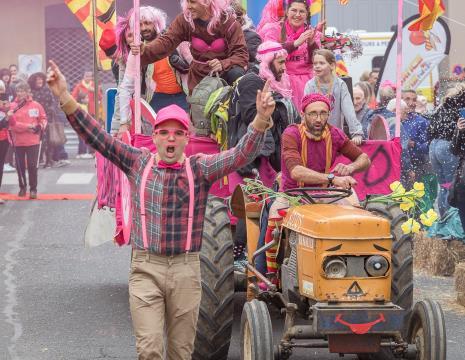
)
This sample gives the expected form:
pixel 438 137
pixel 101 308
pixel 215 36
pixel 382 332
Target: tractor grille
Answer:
pixel 292 264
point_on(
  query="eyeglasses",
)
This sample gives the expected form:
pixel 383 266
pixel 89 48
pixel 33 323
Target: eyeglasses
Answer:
pixel 166 133
pixel 313 115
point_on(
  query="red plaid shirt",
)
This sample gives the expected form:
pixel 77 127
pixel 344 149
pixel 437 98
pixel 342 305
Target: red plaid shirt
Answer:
pixel 167 190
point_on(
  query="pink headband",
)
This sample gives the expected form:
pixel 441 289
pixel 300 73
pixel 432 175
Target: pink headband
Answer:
pixel 314 97
pixel 266 51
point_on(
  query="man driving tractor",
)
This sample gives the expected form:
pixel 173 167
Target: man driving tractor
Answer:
pixel 308 154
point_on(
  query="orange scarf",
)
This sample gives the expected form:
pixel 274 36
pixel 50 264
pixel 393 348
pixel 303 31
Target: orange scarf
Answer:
pixel 305 137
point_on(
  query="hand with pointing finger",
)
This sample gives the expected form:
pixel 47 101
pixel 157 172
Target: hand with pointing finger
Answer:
pixel 265 107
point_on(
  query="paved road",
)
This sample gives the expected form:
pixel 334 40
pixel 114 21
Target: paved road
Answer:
pixel 59 300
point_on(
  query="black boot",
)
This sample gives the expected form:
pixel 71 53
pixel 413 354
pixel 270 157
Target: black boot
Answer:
pixel 22 192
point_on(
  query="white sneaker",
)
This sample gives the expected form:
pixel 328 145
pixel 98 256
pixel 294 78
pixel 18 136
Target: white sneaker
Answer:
pixel 2 201
pixel 87 156
pixel 8 168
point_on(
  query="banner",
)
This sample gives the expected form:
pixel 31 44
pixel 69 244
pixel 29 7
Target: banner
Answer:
pixel 106 19
pixel 422 51
pixel 384 169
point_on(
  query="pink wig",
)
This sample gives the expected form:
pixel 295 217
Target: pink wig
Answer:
pixel 152 14
pixel 217 8
pixel 122 47
pixel 273 11
pixel 266 53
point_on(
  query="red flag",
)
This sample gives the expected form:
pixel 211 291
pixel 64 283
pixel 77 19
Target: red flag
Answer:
pixel 430 10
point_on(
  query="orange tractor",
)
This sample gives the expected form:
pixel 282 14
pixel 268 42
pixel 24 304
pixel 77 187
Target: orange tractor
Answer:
pixel 345 282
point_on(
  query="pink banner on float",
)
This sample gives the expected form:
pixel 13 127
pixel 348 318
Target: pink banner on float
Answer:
pixel 384 169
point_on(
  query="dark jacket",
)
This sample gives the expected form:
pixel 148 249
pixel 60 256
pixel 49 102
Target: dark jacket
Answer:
pixel 457 147
pixel 43 96
pixel 242 112
pixel 444 119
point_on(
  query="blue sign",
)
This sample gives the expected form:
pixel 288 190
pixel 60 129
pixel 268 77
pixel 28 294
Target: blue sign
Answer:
pixel 111 98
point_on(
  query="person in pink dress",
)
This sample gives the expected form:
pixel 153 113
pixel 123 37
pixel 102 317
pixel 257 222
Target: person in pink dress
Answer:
pixel 300 40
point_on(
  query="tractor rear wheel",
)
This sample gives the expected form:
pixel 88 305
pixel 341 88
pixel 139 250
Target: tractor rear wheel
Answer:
pixel 428 331
pixel 402 266
pixel 215 322
pixel 256 332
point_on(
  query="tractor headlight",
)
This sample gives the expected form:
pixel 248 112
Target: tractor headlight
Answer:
pixel 335 268
pixel 376 265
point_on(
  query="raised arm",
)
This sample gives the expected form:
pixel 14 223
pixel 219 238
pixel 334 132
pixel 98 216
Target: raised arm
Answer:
pixel 166 43
pixel 89 129
pixel 126 90
pixel 216 166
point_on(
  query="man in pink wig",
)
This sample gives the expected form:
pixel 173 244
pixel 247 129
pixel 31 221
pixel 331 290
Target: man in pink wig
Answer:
pixel 217 41
pixel 272 68
pixel 162 80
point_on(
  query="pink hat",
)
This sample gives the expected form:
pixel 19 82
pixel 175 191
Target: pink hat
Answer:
pixel 314 97
pixel 172 112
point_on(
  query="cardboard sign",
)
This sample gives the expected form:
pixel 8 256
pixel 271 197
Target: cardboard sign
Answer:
pixel 384 169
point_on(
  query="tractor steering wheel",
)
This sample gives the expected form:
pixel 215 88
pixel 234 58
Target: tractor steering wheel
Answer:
pixel 325 193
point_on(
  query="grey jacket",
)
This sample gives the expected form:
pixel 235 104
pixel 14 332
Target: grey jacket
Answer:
pixel 343 108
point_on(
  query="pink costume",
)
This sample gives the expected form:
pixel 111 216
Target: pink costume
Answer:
pixel 299 65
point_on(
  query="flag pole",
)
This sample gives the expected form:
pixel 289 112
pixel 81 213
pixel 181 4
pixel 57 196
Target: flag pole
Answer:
pixel 96 62
pixel 137 80
pixel 323 14
pixel 400 23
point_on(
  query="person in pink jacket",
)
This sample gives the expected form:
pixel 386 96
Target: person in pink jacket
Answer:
pixel 299 39
pixel 27 124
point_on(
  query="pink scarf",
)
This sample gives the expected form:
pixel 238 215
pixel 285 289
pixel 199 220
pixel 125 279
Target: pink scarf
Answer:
pixel 291 34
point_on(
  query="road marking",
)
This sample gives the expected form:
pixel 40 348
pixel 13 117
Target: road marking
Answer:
pixel 11 301
pixel 75 179
pixel 14 197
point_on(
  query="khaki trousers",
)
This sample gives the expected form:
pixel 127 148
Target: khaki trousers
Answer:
pixel 164 293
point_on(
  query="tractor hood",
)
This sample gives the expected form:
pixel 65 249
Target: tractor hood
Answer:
pixel 328 221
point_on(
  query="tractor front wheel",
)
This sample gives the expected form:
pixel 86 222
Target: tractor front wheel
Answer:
pixel 216 312
pixel 427 330
pixel 256 332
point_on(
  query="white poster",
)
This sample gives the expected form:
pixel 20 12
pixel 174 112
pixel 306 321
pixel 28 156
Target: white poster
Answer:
pixel 29 64
pixel 422 51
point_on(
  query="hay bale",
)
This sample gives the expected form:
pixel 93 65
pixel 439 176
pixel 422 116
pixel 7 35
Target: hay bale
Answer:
pixel 460 283
pixel 421 253
pixel 436 256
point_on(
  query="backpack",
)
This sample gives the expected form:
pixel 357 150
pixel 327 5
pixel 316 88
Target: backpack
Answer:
pixel 218 110
pixel 200 95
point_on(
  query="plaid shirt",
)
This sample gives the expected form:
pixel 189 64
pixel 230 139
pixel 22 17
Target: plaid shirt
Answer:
pixel 167 190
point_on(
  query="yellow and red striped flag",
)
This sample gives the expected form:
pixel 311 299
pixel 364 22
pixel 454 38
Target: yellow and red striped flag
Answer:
pixel 343 2
pixel 430 10
pixel 106 19
pixel 341 68
pixel 315 7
